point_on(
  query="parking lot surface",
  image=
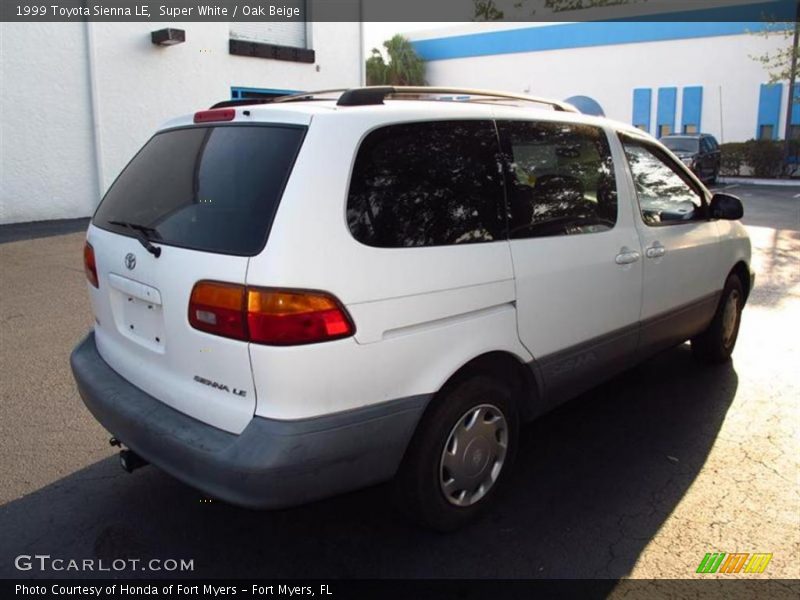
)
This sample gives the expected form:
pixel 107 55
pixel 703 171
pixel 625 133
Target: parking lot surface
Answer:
pixel 640 477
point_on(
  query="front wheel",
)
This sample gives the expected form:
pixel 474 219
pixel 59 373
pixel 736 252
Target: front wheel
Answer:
pixel 460 455
pixel 716 343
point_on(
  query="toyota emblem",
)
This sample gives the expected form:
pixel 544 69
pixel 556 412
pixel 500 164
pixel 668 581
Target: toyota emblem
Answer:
pixel 130 260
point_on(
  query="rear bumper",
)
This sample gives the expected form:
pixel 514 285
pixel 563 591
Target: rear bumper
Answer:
pixel 271 464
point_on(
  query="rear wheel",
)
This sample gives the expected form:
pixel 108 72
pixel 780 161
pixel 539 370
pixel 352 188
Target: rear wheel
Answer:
pixel 460 454
pixel 716 343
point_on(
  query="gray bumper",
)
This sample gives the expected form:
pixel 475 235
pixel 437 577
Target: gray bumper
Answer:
pixel 271 464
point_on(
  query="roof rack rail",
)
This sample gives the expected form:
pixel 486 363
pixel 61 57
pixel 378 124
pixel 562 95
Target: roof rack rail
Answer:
pixel 376 94
pixel 370 95
pixel 242 102
pixel 297 96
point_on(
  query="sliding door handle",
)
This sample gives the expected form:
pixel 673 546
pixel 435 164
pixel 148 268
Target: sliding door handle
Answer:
pixel 655 251
pixel 627 256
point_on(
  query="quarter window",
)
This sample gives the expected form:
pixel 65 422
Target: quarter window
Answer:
pixel 427 184
pixel 561 179
pixel 665 197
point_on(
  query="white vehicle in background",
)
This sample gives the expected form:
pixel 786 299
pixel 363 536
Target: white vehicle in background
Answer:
pixel 307 296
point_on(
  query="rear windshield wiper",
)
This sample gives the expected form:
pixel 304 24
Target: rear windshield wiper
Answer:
pixel 142 234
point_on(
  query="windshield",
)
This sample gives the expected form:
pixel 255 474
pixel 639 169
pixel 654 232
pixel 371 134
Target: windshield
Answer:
pixel 681 144
pixel 206 188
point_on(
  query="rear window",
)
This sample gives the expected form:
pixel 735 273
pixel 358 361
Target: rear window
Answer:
pixel 206 188
pixel 681 144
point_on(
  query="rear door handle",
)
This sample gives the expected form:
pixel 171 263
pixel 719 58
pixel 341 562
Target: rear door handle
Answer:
pixel 627 256
pixel 655 251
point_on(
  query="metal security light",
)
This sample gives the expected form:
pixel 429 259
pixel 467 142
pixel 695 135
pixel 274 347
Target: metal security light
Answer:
pixel 168 37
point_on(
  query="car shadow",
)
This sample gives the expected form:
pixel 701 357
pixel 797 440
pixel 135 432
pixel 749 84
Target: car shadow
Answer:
pixel 593 483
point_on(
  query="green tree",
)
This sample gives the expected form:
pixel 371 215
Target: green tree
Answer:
pixel 486 10
pixel 779 62
pixel 405 67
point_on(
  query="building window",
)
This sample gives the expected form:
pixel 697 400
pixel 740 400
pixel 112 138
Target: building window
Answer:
pixel 245 93
pixel 664 130
pixel 794 132
pixel 766 132
pixel 690 129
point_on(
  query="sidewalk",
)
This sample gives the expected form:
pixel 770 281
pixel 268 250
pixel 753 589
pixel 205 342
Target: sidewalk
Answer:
pixel 754 181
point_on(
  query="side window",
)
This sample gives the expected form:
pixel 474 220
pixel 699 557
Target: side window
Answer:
pixel 665 197
pixel 427 184
pixel 561 179
pixel 705 145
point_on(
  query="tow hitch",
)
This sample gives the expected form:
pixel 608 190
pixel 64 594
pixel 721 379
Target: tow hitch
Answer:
pixel 128 459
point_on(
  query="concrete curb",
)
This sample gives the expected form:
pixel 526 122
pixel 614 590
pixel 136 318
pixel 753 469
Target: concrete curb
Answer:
pixel 753 181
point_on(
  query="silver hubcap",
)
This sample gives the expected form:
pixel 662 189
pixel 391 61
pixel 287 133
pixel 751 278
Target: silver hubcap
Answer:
pixel 473 455
pixel 729 317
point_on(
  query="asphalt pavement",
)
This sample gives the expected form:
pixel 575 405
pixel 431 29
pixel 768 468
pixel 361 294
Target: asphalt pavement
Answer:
pixel 638 478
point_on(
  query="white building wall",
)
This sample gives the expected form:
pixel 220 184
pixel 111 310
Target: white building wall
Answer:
pixel 49 169
pixel 721 65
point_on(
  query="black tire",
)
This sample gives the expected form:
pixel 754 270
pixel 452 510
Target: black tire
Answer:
pixel 716 343
pixel 418 486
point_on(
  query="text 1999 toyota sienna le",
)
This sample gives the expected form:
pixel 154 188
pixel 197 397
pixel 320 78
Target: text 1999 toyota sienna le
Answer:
pixel 303 297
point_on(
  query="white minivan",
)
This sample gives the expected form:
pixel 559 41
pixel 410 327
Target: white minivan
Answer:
pixel 306 296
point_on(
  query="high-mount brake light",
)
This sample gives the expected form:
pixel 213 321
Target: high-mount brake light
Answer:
pixel 274 317
pixel 215 114
pixel 89 265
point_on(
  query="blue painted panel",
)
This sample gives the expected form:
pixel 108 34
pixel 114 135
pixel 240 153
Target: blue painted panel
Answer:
pixel 796 105
pixel 642 108
pixel 692 111
pixel 575 35
pixel 667 99
pixel 769 108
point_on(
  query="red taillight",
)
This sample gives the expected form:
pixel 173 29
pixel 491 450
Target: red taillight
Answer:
pixel 89 265
pixel 268 316
pixel 218 308
pixel 215 114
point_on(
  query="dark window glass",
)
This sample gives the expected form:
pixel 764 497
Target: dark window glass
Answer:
pixel 665 196
pixel 561 179
pixel 206 188
pixel 427 184
pixel 681 144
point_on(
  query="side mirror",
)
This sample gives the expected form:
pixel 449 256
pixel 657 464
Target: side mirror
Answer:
pixel 726 206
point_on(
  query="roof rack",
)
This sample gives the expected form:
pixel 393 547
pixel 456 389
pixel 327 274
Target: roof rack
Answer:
pixel 370 95
pixel 376 94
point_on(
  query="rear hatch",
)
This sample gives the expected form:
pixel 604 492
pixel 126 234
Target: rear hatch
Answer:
pixel 204 197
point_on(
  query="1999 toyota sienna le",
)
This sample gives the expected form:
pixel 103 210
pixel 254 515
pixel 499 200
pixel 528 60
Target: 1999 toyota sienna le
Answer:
pixel 306 296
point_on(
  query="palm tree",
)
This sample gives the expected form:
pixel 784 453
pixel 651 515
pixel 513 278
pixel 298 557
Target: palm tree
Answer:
pixel 405 67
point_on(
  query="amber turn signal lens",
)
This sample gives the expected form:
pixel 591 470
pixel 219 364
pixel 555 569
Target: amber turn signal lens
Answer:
pixel 89 265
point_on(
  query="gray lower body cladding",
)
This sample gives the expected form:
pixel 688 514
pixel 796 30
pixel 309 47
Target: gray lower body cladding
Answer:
pixel 271 464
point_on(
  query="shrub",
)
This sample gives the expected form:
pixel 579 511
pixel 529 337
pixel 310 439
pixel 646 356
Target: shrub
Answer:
pixel 732 159
pixel 765 157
